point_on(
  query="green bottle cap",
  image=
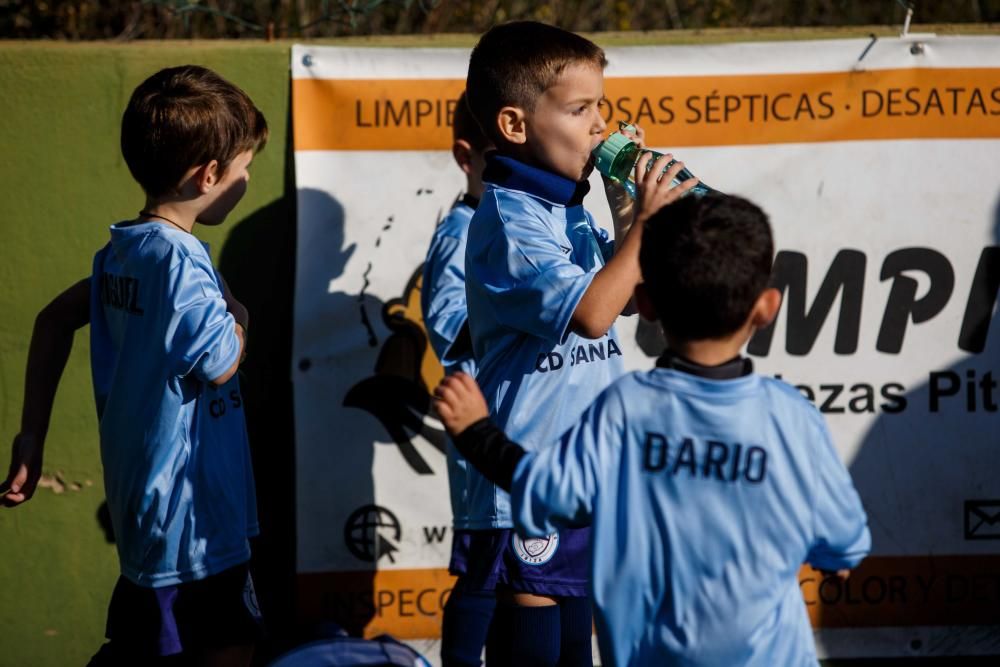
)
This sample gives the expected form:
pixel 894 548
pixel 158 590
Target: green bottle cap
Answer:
pixel 608 150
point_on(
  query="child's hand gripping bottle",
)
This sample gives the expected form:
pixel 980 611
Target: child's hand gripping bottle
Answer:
pixel 616 156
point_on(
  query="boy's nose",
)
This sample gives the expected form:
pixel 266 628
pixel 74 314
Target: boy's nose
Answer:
pixel 601 126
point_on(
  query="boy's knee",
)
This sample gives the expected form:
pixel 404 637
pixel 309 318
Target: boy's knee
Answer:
pixel 519 599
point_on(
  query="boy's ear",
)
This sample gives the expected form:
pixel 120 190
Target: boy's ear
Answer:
pixel 765 309
pixel 461 150
pixel 206 176
pixel 510 122
pixel 644 304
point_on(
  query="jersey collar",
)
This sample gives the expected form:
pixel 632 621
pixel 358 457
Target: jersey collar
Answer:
pixel 470 201
pixel 512 174
pixel 729 370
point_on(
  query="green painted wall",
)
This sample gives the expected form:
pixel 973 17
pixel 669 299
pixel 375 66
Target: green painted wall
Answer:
pixel 63 182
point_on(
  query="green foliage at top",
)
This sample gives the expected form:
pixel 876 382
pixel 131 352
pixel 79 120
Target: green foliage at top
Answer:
pixel 298 19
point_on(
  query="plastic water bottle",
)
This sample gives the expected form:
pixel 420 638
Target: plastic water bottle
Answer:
pixel 616 156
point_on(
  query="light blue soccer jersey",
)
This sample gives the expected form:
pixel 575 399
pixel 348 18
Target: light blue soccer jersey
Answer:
pixel 706 497
pixel 177 470
pixel 442 300
pixel 532 253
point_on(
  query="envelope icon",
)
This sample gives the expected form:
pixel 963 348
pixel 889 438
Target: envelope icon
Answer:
pixel 982 519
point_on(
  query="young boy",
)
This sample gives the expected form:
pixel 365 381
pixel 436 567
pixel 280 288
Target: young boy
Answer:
pixel 164 356
pixel 544 287
pixel 468 612
pixel 708 486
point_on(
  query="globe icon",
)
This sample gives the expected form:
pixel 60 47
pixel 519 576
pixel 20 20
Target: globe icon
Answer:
pixel 371 532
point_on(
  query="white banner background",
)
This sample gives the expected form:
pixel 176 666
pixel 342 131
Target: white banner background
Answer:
pixel 365 218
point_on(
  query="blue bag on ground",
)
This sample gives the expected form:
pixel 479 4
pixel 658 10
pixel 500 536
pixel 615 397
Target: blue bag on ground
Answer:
pixel 344 651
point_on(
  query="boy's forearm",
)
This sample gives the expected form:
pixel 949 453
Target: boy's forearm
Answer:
pixel 611 290
pixel 489 450
pixel 237 309
pixel 51 343
pixel 622 211
pixel 231 371
pixel 49 350
pixel 47 359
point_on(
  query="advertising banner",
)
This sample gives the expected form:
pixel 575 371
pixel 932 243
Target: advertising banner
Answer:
pixel 879 165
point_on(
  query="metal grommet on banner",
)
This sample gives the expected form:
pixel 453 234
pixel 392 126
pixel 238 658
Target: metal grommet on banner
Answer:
pixel 917 47
pixel 307 60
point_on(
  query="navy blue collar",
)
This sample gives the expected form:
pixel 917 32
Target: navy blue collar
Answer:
pixel 513 174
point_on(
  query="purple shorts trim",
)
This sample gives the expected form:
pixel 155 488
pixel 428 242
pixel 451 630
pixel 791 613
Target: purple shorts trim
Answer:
pixel 214 612
pixel 558 565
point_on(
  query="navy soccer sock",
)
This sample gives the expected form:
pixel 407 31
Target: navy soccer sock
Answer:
pixel 467 616
pixel 576 621
pixel 524 636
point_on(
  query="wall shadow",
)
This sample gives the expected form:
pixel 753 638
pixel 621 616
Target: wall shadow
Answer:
pixel 333 330
pixel 907 469
pixel 258 262
pixel 382 351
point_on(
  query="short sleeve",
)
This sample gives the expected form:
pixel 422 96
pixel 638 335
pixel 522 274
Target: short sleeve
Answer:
pixel 841 538
pixel 443 294
pixel 529 278
pixel 201 335
pixel 557 485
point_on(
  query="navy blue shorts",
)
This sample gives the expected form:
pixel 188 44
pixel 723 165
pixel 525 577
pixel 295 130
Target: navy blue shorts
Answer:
pixel 211 613
pixel 556 566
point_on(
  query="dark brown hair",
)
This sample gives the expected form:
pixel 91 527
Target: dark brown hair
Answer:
pixel 464 126
pixel 182 117
pixel 514 63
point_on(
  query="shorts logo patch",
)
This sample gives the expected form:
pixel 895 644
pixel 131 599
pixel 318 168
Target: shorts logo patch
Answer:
pixel 535 550
pixel 250 599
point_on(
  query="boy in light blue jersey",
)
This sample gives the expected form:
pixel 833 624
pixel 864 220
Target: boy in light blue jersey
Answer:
pixel 544 287
pixel 442 298
pixel 708 485
pixel 165 349
pixel 442 294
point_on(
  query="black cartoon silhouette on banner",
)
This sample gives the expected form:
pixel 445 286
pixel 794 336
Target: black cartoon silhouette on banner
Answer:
pixel 398 394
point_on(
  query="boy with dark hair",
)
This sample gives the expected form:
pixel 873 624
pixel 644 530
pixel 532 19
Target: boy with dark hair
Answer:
pixel 467 613
pixel 708 485
pixel 544 287
pixel 165 349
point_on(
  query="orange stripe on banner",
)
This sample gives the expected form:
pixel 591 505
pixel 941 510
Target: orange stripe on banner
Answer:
pixel 906 591
pixel 405 603
pixel 884 591
pixel 415 114
pixel 376 114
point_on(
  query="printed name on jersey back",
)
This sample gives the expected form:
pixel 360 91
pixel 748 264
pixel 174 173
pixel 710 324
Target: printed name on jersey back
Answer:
pixel 709 459
pixel 571 355
pixel 120 292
